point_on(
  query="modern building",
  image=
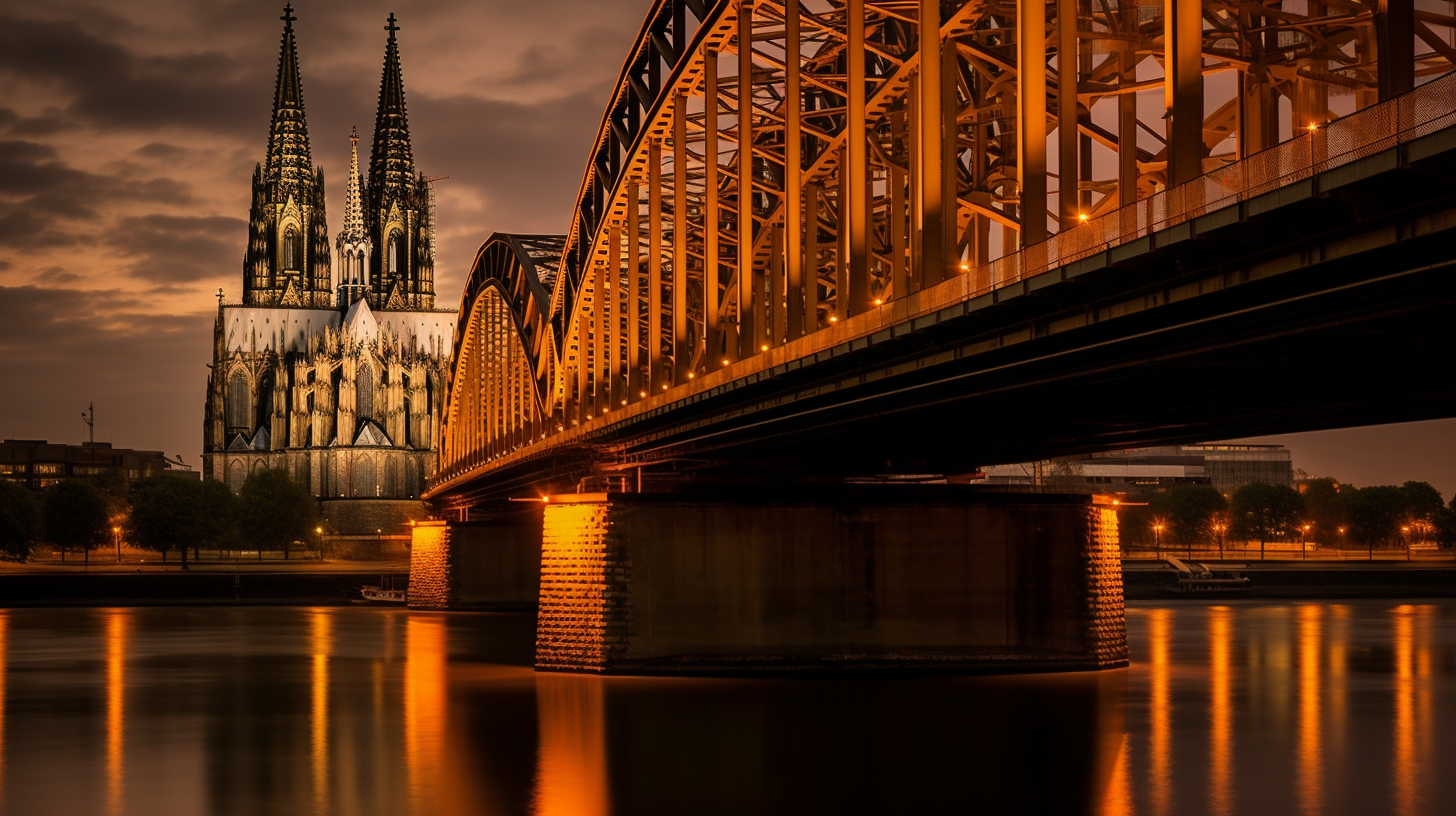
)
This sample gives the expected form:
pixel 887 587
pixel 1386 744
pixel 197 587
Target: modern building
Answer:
pixel 1224 466
pixel 37 463
pixel 335 378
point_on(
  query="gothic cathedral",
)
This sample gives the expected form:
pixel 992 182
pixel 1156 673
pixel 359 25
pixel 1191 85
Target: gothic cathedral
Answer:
pixel 335 378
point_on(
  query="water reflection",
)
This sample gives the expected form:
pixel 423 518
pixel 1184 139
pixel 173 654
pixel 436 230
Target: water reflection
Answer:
pixel 116 632
pixel 1228 709
pixel 321 646
pixel 1220 704
pixel 571 771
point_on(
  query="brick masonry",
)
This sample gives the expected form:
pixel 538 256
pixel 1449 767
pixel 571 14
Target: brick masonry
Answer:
pixel 582 616
pixel 429 579
pixel 1106 622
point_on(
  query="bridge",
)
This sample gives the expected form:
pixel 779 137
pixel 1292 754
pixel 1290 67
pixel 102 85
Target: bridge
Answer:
pixel 877 242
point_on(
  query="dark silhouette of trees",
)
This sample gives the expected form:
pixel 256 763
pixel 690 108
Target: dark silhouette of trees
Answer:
pixel 275 511
pixel 19 521
pixel 170 514
pixel 75 516
pixel 1265 511
pixel 1187 511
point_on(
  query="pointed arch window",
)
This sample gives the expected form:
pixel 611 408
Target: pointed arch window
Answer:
pixel 364 393
pixel 393 253
pixel 292 249
pixel 237 400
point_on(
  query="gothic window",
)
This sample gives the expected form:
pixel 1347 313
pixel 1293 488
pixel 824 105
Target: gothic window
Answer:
pixel 364 393
pixel 265 402
pixel 393 253
pixel 235 476
pixel 237 400
pixel 292 251
pixel 408 421
pixel 359 266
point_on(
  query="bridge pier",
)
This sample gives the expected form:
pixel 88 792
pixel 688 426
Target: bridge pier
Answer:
pixel 859 577
pixel 489 564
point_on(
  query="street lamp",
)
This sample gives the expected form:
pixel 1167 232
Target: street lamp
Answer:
pixel 1405 533
pixel 1303 533
pixel 116 536
pixel 1158 540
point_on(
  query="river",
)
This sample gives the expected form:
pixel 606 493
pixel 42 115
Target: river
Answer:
pixel 1249 707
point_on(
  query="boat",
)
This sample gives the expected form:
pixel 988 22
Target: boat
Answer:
pixel 374 594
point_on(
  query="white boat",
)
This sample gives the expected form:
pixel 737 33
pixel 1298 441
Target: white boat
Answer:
pixel 374 594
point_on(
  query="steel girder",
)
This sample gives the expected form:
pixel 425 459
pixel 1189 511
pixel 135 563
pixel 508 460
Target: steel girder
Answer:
pixel 765 170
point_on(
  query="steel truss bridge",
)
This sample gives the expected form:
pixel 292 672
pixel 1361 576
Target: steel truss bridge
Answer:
pixel 883 237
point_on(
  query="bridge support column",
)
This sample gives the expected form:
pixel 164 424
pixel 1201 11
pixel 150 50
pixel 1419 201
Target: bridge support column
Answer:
pixel 492 564
pixel 875 577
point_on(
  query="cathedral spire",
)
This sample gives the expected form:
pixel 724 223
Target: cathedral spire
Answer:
pixel 391 163
pixel 289 162
pixel 353 196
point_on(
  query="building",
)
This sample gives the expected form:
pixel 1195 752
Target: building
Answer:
pixel 37 463
pixel 1224 466
pixel 335 378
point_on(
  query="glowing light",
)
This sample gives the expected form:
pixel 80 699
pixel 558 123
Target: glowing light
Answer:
pixel 833 319
pixel 426 712
pixel 763 347
pixel 624 402
pixel 1220 692
pixel 1160 725
pixel 321 635
pixel 965 267
pixel 725 362
pixel 641 393
pixel 664 386
pixel 879 302
pixel 116 631
pixel 1313 127
pixel 1309 770
pixel 1082 216
pixel 571 775
pixel 691 375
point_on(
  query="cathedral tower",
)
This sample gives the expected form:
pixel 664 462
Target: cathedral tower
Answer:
pixel 397 201
pixel 355 249
pixel 287 259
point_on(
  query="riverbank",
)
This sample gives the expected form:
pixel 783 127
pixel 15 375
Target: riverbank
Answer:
pixel 1143 580
pixel 213 585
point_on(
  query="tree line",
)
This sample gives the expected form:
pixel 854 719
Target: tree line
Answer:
pixel 1326 511
pixel 162 514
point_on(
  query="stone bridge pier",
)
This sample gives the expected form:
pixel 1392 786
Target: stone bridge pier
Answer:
pixel 794 579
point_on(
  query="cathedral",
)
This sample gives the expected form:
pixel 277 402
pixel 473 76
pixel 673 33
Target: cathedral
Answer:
pixel 334 372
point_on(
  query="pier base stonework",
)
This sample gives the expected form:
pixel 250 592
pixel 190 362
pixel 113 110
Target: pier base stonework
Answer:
pixel 861 578
pixel 493 564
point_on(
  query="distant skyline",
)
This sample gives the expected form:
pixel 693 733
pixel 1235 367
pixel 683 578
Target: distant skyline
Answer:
pixel 128 135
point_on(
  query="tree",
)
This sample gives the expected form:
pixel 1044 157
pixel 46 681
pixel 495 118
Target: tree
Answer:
pixel 1326 505
pixel 1261 511
pixel 1377 514
pixel 165 515
pixel 275 511
pixel 219 514
pixel 1187 509
pixel 75 516
pixel 19 520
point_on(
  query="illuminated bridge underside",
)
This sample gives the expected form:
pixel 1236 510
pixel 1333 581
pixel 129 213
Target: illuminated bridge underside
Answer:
pixel 903 237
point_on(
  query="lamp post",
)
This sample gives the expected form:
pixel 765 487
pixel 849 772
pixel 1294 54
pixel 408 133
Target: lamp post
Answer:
pixel 1405 534
pixel 1303 534
pixel 1158 540
pixel 319 531
pixel 116 536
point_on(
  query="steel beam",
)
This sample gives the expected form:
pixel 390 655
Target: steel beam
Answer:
pixel 681 348
pixel 1183 88
pixel 1069 204
pixel 656 376
pixel 793 174
pixel 712 219
pixel 1031 119
pixel 748 279
pixel 855 182
pixel 931 224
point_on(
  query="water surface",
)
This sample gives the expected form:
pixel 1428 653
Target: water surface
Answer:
pixel 1243 708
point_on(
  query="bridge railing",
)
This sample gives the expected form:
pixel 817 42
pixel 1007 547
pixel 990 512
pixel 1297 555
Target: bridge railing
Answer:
pixel 1322 147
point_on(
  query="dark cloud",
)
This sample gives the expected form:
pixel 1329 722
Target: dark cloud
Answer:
pixel 107 84
pixel 174 249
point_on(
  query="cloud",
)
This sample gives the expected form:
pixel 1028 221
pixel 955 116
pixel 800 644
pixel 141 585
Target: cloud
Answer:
pixel 173 249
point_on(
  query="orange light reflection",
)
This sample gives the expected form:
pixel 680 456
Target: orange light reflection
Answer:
pixel 1221 747
pixel 321 635
pixel 1412 706
pixel 1160 725
pixel 1309 773
pixel 4 649
pixel 425 710
pixel 117 624
pixel 571 769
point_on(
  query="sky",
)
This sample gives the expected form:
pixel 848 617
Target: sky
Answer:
pixel 128 135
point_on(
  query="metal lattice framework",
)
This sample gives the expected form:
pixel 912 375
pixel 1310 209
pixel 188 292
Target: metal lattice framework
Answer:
pixel 769 171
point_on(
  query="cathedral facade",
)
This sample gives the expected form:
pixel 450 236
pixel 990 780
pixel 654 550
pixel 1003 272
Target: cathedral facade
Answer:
pixel 334 372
